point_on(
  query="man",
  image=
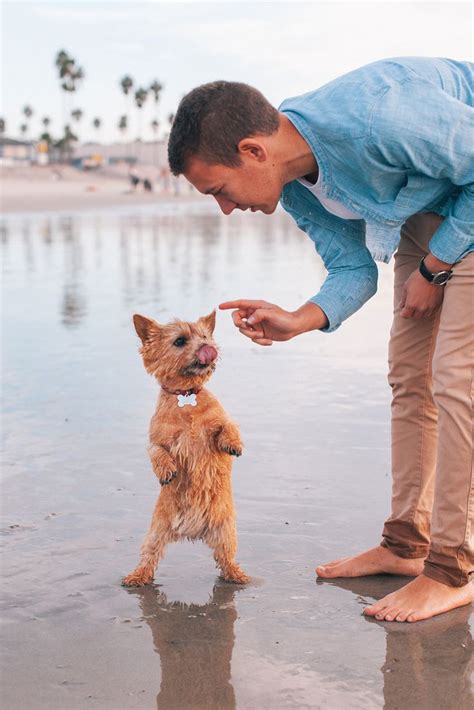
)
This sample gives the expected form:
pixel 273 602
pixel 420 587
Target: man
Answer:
pixel 388 148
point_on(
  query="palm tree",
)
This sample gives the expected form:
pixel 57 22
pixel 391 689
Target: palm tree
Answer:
pixel 64 64
pixel 2 126
pixel 156 88
pixel 46 121
pixel 97 122
pixel 70 76
pixel 122 124
pixel 126 84
pixel 154 127
pixel 76 115
pixel 23 129
pixel 140 98
pixel 27 112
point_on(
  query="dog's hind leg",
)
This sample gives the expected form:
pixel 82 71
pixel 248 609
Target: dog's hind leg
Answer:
pixel 152 551
pixel 224 543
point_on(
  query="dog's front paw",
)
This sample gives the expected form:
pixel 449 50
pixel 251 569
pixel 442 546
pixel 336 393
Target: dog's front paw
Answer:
pixel 233 450
pixel 137 580
pixel 167 477
pixel 228 440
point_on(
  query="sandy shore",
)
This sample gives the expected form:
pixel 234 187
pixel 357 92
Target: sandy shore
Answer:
pixel 48 189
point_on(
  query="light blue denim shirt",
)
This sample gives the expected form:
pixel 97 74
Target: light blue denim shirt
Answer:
pixel 391 139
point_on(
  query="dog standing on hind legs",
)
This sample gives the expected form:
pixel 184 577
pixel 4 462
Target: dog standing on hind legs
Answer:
pixel 191 443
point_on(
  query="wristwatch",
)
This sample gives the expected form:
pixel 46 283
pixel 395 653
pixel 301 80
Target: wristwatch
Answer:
pixel 438 278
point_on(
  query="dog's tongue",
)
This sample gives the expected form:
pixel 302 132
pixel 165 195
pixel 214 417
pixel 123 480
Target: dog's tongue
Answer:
pixel 206 354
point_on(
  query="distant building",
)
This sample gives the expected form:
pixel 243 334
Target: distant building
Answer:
pixel 14 152
pixel 148 153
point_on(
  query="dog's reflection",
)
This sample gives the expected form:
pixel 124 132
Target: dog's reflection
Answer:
pixel 194 642
pixel 428 664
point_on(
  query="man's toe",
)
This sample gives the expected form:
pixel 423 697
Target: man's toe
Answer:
pixel 391 613
pixel 402 615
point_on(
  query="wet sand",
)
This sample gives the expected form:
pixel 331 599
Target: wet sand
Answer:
pixel 313 483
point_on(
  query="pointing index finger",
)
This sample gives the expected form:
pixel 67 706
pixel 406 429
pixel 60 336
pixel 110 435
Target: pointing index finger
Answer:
pixel 241 304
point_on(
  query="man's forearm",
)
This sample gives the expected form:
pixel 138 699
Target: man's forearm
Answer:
pixel 309 317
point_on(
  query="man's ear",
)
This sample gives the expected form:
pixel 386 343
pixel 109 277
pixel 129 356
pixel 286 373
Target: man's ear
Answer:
pixel 145 327
pixel 209 321
pixel 253 148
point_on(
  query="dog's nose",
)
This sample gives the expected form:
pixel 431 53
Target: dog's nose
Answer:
pixel 206 354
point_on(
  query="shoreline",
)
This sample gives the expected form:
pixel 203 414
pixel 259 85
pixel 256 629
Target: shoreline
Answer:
pixel 39 191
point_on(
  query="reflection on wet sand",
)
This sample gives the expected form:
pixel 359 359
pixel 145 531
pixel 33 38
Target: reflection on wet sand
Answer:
pixel 194 643
pixel 190 253
pixel 429 664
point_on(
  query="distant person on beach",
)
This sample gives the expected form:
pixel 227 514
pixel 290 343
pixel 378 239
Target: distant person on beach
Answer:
pixel 134 179
pixel 147 186
pixel 378 160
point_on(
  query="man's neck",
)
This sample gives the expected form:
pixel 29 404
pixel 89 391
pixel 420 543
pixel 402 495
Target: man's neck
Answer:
pixel 297 158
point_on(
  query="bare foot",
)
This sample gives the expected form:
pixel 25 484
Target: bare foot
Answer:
pixel 378 560
pixel 420 599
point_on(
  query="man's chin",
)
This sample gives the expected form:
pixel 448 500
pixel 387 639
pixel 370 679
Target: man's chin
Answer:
pixel 266 209
pixel 269 209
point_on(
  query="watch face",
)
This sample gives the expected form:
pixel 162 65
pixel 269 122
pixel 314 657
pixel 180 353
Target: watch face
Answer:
pixel 441 277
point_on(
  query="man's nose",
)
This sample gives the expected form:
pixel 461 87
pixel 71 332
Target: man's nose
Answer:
pixel 227 206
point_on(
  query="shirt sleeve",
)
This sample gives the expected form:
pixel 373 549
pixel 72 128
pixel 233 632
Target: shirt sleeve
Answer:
pixel 352 272
pixel 420 127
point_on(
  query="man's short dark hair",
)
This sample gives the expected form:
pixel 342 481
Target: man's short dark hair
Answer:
pixel 213 118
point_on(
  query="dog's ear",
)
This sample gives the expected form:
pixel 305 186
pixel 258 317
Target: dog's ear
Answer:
pixel 209 321
pixel 145 327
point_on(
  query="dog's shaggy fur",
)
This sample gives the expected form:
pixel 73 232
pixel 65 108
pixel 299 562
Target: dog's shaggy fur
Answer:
pixel 190 448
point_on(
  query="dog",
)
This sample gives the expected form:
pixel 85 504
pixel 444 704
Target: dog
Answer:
pixel 192 441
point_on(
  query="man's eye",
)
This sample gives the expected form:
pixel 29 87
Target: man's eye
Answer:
pixel 179 342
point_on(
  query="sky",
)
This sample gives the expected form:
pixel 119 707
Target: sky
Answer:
pixel 282 48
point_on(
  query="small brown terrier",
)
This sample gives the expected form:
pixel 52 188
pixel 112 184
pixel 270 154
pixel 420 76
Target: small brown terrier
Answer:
pixel 191 443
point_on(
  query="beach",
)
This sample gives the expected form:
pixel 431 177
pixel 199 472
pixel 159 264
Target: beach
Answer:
pixel 78 490
pixel 60 187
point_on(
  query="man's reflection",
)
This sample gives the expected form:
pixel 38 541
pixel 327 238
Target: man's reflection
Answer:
pixel 194 642
pixel 427 665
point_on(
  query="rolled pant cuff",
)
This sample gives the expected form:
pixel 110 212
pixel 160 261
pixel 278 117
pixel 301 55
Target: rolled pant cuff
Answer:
pixel 449 576
pixel 407 553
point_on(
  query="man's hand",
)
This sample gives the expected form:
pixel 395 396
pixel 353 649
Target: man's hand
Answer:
pixel 265 322
pixel 420 299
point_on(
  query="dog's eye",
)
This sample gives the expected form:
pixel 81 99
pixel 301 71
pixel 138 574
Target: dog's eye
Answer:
pixel 179 342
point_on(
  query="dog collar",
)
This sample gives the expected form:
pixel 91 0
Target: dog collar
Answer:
pixel 184 396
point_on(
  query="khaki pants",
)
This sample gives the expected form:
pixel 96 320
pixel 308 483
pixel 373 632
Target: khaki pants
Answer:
pixel 431 375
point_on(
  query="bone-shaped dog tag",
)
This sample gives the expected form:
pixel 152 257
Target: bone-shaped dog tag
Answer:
pixel 184 399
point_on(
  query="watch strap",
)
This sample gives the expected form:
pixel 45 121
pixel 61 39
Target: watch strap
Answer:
pixel 437 278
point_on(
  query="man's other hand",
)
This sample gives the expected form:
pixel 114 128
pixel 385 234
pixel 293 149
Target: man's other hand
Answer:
pixel 420 299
